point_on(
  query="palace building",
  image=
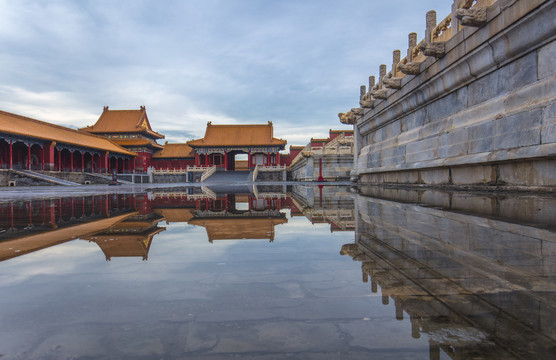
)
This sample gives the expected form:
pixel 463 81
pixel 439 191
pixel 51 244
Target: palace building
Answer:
pixel 131 130
pixel 123 141
pixel 222 143
pixel 29 144
pixel 173 156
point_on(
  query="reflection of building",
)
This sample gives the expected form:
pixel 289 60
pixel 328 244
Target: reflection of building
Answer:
pixel 39 224
pixel 470 285
pixel 124 225
pixel 239 216
pixel 28 226
pixel 325 204
pixel 131 237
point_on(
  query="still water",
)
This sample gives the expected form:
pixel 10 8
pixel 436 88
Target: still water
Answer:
pixel 276 272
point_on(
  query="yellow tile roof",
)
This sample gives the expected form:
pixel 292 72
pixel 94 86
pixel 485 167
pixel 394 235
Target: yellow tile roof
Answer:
pixel 239 228
pixel 175 214
pixel 238 135
pixel 122 121
pixel 174 151
pixel 24 126
pixel 125 245
pixel 42 240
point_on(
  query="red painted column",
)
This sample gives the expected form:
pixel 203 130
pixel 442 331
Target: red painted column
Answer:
pixel 11 153
pixel 249 160
pixel 29 157
pixel 105 167
pixel 206 160
pixel 42 158
pixel 49 155
pixel 82 162
pixel 60 160
pixel 196 159
pixel 71 161
pixel 278 158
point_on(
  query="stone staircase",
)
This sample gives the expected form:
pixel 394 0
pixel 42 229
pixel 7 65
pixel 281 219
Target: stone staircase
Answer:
pixel 222 177
pixel 43 177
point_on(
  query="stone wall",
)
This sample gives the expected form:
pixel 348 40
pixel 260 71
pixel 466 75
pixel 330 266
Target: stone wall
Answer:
pixel 176 178
pixel 483 113
pixel 134 178
pixel 271 176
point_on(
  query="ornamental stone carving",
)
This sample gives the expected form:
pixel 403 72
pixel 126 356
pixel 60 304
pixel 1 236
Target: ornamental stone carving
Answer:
pixel 435 49
pixel 347 118
pixel 475 17
pixel 393 83
pixel 412 68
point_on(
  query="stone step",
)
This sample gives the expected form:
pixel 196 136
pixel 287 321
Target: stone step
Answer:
pixel 50 179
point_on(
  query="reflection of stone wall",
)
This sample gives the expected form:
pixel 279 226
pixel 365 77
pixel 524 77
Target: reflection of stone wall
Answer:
pixel 491 280
pixel 329 204
pixel 481 114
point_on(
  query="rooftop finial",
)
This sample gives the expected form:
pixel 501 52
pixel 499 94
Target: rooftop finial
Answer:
pixel 105 108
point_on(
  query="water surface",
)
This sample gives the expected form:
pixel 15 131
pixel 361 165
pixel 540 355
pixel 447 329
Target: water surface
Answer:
pixel 278 272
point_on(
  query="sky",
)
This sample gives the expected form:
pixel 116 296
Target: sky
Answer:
pixel 297 63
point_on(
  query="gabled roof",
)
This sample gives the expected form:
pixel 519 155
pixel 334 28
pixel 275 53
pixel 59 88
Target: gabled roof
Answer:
pixel 239 228
pixel 175 214
pixel 123 121
pixel 24 126
pixel 238 135
pixel 174 151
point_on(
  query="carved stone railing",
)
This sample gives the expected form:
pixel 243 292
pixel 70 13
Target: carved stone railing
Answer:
pixel 169 171
pixel 255 173
pixel 271 167
pixel 342 144
pixel 464 13
pixel 208 192
pixel 302 154
pixel 208 173
pixel 197 168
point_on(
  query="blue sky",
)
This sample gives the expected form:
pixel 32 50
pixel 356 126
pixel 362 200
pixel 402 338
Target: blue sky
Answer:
pixel 293 62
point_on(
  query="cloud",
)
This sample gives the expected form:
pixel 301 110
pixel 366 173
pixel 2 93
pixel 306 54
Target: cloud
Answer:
pixel 251 61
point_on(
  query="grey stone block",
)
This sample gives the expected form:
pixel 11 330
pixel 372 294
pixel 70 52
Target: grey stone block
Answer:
pixel 547 60
pixel 519 130
pixel 548 130
pixel 481 138
pixel 514 75
pixel 422 150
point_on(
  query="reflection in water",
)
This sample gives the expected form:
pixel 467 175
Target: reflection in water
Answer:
pixel 476 287
pixel 466 276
